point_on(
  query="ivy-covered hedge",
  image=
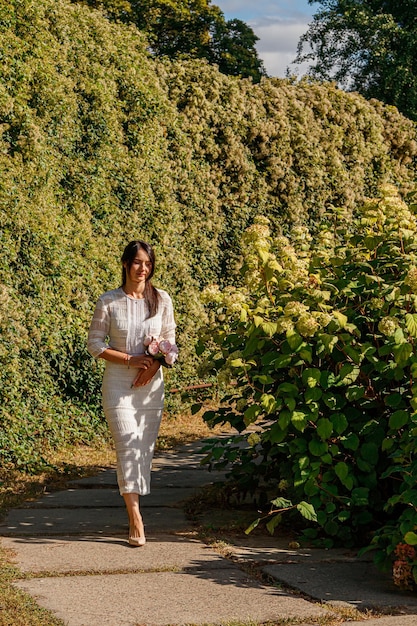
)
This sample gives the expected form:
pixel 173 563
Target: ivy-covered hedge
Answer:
pixel 101 144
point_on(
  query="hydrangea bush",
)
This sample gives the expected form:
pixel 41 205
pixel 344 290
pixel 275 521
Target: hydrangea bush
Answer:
pixel 319 341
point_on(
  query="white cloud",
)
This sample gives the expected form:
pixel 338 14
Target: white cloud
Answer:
pixel 277 45
pixel 279 25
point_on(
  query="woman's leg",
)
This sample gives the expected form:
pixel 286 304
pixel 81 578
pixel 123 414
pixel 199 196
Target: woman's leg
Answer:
pixel 136 528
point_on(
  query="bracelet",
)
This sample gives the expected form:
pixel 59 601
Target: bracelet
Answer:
pixel 126 360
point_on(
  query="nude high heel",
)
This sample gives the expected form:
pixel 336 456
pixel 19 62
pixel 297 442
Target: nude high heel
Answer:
pixel 136 541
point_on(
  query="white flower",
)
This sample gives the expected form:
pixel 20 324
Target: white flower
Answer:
pixel 388 325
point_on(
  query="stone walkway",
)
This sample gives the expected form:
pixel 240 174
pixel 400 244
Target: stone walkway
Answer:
pixel 72 551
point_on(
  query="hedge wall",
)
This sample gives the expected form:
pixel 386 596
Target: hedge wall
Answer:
pixel 101 144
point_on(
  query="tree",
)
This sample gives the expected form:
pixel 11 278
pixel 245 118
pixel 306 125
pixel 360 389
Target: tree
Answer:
pixel 194 28
pixel 368 46
pixel 233 46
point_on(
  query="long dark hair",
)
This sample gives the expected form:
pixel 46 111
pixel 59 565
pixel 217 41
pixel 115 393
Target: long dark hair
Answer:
pixel 129 254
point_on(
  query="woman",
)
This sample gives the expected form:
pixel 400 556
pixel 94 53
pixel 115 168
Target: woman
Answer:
pixel 133 386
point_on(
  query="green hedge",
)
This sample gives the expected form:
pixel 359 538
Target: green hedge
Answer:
pixel 100 144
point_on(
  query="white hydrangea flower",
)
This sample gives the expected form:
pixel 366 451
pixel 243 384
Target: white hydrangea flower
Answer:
pixel 411 279
pixel 284 324
pixel 388 325
pixel 307 326
pixel 323 319
pixel 211 293
pixel 295 309
pixel 376 303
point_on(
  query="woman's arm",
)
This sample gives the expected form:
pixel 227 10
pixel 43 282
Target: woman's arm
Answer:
pixel 141 361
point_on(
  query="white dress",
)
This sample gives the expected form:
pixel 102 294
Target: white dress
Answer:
pixel 133 414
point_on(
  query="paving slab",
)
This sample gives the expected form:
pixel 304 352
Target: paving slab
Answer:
pixel 197 596
pixel 109 554
pixel 170 477
pixel 88 520
pixel 279 549
pixel 190 460
pixel 161 476
pixel 74 543
pixel 93 498
pixel 358 585
pixel 105 478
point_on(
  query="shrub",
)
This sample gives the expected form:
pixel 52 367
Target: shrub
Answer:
pixel 320 342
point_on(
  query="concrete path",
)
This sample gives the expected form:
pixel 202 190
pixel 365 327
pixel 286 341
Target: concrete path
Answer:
pixel 71 549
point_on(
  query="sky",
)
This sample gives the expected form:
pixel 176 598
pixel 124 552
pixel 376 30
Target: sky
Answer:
pixel 279 25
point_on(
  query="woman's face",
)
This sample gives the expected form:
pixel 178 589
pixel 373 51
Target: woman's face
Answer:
pixel 140 268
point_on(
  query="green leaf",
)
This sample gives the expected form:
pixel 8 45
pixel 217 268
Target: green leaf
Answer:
pixel 282 361
pixel 307 511
pixel 284 419
pixel 393 400
pixel 344 516
pixel 299 419
pixel 398 419
pixel 342 470
pixel 252 526
pixel 269 328
pixel 369 452
pixel 311 376
pixel 411 538
pixel 257 320
pixel 351 442
pixel 251 414
pixel 294 340
pixel 339 422
pixel 269 403
pixel 328 341
pixel 333 400
pixel 324 428
pixel 276 433
pixel 237 363
pixel 317 448
pixel 306 354
pixel 402 353
pixel 360 496
pixel 288 388
pixel 312 394
pixel 341 318
pixel 195 408
pixel 264 379
pixel 348 374
pixel 273 523
pixel 411 323
pixel 281 503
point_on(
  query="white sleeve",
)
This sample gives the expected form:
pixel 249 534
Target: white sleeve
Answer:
pixel 168 321
pixel 99 330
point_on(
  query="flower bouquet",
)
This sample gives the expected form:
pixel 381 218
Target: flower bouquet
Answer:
pixel 161 349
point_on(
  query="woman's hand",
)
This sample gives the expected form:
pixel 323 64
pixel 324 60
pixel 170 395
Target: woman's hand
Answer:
pixel 144 376
pixel 142 361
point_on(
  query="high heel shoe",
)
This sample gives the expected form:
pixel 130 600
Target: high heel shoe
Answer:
pixel 136 541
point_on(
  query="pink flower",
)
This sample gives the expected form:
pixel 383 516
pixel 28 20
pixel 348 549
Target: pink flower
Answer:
pixel 153 347
pixel 171 357
pixel 147 340
pixel 165 346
